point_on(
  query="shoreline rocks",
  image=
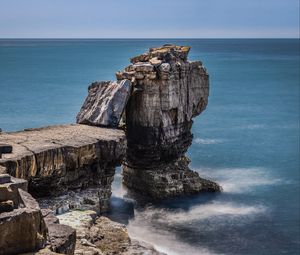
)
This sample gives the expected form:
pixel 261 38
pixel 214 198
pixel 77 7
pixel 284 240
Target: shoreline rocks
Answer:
pixel 56 159
pixel 61 237
pixel 22 228
pixel 101 236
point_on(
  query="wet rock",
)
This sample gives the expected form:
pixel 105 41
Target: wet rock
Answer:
pixel 99 235
pixel 105 103
pixel 168 180
pixel 115 239
pixel 91 198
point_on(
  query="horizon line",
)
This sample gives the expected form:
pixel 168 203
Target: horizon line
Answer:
pixel 154 38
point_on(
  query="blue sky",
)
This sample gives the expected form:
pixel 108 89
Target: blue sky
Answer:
pixel 148 18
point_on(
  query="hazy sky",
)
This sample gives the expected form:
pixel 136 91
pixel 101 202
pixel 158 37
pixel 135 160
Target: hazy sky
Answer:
pixel 149 18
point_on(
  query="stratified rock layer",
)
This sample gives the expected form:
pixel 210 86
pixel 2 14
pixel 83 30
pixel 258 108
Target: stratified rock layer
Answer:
pixel 22 228
pixel 168 92
pixel 167 180
pixel 67 157
pixel 105 103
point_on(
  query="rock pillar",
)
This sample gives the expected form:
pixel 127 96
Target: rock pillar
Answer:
pixel 168 92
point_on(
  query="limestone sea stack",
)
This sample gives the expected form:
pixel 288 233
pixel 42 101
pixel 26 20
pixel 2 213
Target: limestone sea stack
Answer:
pixel 168 92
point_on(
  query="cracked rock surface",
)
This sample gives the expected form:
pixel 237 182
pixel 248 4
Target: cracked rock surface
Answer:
pixel 105 103
pixel 22 228
pixel 55 159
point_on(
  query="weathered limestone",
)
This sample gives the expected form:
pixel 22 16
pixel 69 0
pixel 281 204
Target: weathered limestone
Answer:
pixel 22 228
pixel 91 198
pixel 168 92
pixel 99 235
pixel 61 238
pixel 105 103
pixel 68 157
pixel 9 189
pixel 167 180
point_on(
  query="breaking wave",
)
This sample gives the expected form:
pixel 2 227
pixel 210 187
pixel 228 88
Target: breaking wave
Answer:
pixel 208 141
pixel 240 180
pixel 152 224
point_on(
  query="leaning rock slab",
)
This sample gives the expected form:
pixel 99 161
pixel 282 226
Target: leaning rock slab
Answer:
pixel 105 103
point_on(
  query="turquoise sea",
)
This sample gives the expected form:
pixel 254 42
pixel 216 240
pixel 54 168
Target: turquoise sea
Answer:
pixel 247 139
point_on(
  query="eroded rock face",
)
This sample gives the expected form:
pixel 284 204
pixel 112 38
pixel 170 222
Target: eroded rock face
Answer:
pixel 56 159
pixel 22 228
pixel 167 180
pixel 168 92
pixel 105 103
pixel 91 198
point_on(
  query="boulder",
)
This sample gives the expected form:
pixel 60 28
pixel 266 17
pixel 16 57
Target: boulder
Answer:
pixel 22 226
pixel 9 190
pixel 105 103
pixel 61 238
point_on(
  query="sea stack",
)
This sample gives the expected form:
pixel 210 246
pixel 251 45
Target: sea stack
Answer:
pixel 168 92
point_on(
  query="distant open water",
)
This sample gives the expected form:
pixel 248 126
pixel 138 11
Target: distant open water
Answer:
pixel 247 139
